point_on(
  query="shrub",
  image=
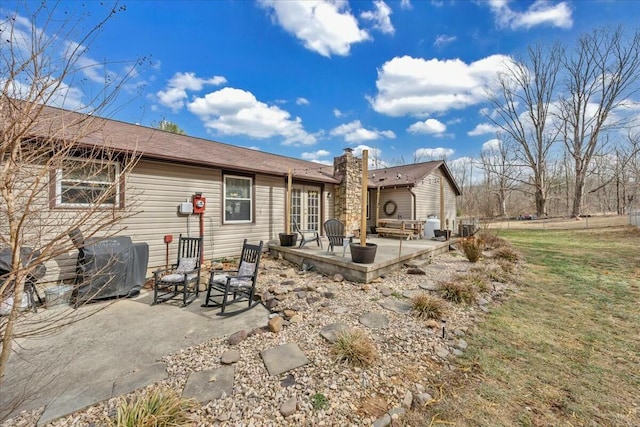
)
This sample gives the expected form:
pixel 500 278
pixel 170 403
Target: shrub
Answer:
pixel 160 407
pixel 426 306
pixel 319 401
pixel 472 248
pixel 458 291
pixel 355 348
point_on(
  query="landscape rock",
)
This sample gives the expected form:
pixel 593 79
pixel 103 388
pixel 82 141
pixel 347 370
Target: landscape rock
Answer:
pixel 421 399
pixel 383 421
pixel 289 407
pixel 238 337
pixel 338 277
pixel 275 324
pixel 229 357
pixel 416 270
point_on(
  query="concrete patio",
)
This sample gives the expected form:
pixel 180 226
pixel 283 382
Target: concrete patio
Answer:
pixel 114 351
pixel 391 254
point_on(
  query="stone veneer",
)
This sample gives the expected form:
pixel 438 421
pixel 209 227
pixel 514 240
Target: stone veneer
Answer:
pixel 347 206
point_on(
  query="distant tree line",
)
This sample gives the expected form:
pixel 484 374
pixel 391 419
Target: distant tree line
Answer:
pixel 568 138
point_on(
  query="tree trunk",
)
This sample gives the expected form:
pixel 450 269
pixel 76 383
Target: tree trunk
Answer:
pixel 578 194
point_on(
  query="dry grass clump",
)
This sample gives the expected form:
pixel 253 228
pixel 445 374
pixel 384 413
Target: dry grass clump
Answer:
pixel 160 407
pixel 355 348
pixel 492 241
pixel 507 267
pixel 427 306
pixel 507 253
pixel 472 248
pixel 458 291
pixel 478 278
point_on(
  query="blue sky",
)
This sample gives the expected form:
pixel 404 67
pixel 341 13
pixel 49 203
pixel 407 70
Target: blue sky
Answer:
pixel 307 79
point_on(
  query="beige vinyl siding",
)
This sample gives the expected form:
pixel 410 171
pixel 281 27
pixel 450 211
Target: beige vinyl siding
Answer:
pixel 428 198
pixel 161 187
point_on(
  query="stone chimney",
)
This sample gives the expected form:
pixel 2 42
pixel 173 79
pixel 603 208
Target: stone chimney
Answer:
pixel 347 206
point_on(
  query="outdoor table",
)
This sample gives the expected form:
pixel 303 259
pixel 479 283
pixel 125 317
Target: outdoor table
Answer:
pixel 416 226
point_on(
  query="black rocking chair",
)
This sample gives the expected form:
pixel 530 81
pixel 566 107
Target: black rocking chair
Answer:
pixel 183 278
pixel 306 236
pixel 240 283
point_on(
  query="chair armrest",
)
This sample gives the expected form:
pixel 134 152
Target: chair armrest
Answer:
pixel 214 272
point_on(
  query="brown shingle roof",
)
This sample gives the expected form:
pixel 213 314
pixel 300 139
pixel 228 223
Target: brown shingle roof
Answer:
pixel 153 143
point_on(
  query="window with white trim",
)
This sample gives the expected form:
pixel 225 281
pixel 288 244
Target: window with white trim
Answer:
pixel 88 183
pixel 238 199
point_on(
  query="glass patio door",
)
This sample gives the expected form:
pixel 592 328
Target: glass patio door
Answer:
pixel 305 207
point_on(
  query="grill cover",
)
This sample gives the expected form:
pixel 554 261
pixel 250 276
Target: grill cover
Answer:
pixel 112 267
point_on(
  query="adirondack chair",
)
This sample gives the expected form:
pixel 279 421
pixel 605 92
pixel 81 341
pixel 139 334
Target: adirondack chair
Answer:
pixel 306 236
pixel 335 231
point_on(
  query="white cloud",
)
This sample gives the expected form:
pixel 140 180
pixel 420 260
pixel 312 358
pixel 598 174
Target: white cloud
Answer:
pixel 302 101
pixel 416 86
pixel 406 4
pixel 338 113
pixel 483 129
pixel 381 17
pixel 429 126
pixel 354 132
pixel 231 111
pixel 175 94
pixel 541 12
pixel 443 39
pixel 324 26
pixel 491 145
pixel 315 155
pixel 434 153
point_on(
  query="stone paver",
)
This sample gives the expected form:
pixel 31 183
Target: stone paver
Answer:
pixel 140 378
pixel 283 358
pixel 429 286
pixel 330 332
pixel 76 399
pixel 212 384
pixel 396 305
pixel 374 320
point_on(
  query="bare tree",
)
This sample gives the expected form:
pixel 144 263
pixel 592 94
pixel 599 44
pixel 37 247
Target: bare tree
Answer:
pixel 497 162
pixel 601 74
pixel 58 171
pixel 521 109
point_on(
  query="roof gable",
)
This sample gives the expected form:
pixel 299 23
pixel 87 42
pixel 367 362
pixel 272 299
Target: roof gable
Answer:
pixel 409 174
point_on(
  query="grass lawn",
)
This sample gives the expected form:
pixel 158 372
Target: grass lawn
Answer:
pixel 564 350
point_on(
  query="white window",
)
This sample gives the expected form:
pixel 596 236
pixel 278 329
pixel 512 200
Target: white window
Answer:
pixel 238 204
pixel 88 183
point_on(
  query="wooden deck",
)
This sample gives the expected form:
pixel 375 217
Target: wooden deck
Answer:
pixel 391 255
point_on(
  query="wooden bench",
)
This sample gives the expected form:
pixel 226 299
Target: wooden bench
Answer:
pixel 391 231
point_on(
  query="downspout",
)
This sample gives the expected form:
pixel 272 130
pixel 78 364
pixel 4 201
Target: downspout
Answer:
pixel 413 203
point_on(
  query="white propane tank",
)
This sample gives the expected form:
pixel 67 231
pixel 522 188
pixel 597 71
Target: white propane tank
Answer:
pixel 433 223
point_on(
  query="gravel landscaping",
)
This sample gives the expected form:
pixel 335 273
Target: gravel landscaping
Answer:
pixel 411 352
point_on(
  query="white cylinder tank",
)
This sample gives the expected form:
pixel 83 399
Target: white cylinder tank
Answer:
pixel 433 223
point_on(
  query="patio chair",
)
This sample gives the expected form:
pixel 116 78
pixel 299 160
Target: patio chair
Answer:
pixel 334 229
pixel 240 284
pixel 306 236
pixel 183 278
